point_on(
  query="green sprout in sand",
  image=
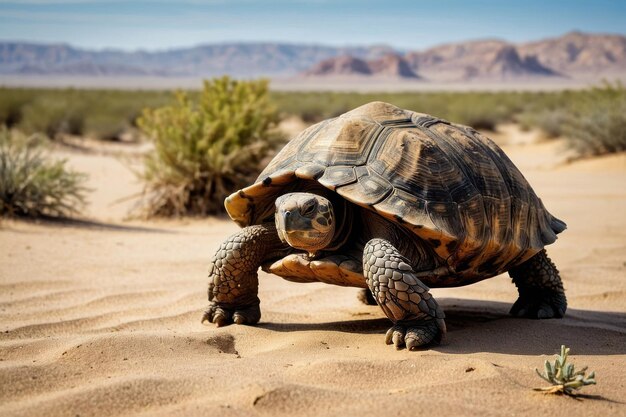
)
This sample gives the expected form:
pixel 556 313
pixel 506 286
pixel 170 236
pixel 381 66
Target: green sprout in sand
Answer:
pixel 563 377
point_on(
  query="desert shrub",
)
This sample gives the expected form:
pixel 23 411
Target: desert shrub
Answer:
pixel 101 114
pixel 53 115
pixel 12 103
pixel 113 113
pixel 552 122
pixel 480 114
pixel 207 149
pixel 33 185
pixel 596 123
pixel 106 126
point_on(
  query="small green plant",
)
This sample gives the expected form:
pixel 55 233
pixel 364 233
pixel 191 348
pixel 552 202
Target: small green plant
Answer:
pixel 205 150
pixel 33 185
pixel 563 377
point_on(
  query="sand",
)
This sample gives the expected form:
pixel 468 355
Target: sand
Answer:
pixel 102 317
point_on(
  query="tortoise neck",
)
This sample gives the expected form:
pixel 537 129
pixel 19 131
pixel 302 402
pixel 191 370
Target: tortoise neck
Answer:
pixel 344 220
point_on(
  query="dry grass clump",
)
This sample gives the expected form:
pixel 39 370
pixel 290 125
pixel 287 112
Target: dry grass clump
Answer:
pixel 205 150
pixel 33 185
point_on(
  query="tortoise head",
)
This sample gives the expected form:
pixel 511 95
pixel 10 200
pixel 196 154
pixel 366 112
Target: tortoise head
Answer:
pixel 305 221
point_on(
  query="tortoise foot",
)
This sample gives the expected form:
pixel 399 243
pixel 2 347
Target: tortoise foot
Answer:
pixel 224 315
pixel 541 294
pixel 414 335
pixel 540 303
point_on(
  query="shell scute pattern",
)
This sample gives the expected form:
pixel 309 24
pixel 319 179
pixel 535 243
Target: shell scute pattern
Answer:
pixel 369 189
pixel 345 142
pixel 338 176
pixel 407 159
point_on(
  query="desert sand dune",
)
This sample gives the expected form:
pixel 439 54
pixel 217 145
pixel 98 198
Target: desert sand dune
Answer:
pixel 102 317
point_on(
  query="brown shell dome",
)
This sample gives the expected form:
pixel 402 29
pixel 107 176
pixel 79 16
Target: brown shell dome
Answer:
pixel 447 183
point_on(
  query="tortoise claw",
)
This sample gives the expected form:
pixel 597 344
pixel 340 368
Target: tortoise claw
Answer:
pixel 395 336
pixel 223 316
pixel 413 335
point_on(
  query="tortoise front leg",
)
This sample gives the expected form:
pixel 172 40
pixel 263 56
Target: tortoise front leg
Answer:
pixel 233 278
pixel 417 318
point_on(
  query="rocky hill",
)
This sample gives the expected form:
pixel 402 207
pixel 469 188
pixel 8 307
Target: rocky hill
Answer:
pixel 580 54
pixel 479 60
pixel 390 66
pixel 574 55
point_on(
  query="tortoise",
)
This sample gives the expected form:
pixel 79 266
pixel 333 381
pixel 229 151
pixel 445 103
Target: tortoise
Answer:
pixel 394 202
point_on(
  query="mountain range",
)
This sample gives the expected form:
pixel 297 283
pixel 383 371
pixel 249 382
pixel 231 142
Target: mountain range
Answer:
pixel 573 55
pixel 236 59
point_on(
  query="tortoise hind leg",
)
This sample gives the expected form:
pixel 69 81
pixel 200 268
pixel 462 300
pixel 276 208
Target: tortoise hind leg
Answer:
pixel 418 319
pixel 541 294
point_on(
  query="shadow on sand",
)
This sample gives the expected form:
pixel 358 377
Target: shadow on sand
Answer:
pixel 93 225
pixel 485 326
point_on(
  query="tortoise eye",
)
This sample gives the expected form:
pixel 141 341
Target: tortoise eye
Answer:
pixel 308 209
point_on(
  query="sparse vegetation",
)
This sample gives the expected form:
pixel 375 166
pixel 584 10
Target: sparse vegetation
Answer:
pixel 102 114
pixel 53 116
pixel 593 120
pixel 563 376
pixel 551 122
pixel 105 113
pixel 597 121
pixel 12 103
pixel 33 185
pixel 207 148
pixel 481 110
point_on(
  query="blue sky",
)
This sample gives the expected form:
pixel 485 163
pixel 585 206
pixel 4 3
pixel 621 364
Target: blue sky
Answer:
pixel 162 24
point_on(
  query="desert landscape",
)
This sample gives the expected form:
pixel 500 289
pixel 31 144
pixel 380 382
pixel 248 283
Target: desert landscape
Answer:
pixel 124 126
pixel 101 315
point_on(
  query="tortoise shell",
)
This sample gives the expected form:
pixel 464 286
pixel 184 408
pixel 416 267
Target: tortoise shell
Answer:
pixel 448 184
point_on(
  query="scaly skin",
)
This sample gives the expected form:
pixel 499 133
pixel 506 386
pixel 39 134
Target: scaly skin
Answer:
pixel 417 318
pixel 233 278
pixel 541 294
